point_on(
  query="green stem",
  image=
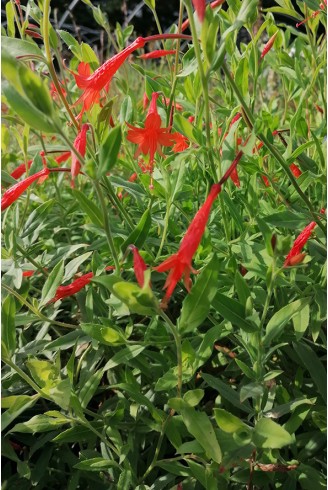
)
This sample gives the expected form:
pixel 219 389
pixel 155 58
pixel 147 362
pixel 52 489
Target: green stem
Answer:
pixel 274 152
pixel 19 27
pixel 177 339
pixel 169 119
pixel 46 41
pixel 107 227
pixel 166 225
pixel 158 446
pixel 204 83
pixel 25 377
pixel 117 202
pixel 26 256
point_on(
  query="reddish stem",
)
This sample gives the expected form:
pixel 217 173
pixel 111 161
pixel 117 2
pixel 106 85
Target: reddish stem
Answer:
pixel 166 36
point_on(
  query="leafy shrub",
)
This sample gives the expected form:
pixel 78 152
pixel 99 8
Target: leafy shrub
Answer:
pixel 119 179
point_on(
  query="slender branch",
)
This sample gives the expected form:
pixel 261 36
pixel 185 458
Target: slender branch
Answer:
pixel 46 40
pixel 204 83
pixel 274 152
pixel 35 310
pixel 158 446
pixel 177 339
pixel 107 227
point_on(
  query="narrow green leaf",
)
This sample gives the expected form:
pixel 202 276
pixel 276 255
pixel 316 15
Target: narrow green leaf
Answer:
pixel 54 280
pixel 71 43
pixel 301 321
pixel 124 355
pixel 90 387
pixel 109 150
pixel 78 434
pixel 124 481
pixel 232 311
pixel 96 464
pixel 313 364
pixel 196 305
pixel 72 267
pixel 286 219
pixel 18 404
pixel 8 328
pixel 27 111
pixel 138 236
pixel 226 392
pixel 90 208
pixel 282 317
pixel 10 14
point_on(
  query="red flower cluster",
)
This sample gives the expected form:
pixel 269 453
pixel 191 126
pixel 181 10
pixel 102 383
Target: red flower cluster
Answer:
pixel 152 137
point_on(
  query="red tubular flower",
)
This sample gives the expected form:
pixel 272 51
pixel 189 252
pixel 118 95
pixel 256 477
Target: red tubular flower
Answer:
pixel 28 273
pixel 269 45
pixel 145 101
pixel 133 177
pixel 181 142
pixel 13 193
pixel 158 53
pixel 176 106
pixel 180 262
pixel 139 265
pixel 21 169
pixel 74 287
pixel 213 5
pixel 80 144
pixel 265 180
pixel 199 6
pixel 235 178
pixel 235 118
pixel 63 158
pixel 152 136
pixel 93 84
pixel 295 256
pixel 54 92
pixel 295 170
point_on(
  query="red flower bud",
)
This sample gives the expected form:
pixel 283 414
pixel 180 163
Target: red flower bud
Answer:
pixel 269 45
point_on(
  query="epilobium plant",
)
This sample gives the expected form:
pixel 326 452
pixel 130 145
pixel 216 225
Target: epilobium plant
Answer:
pixel 201 153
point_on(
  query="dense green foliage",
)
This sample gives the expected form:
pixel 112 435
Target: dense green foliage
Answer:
pixel 225 388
